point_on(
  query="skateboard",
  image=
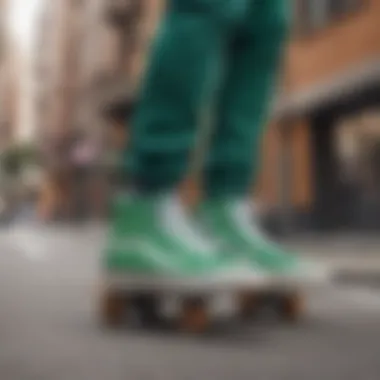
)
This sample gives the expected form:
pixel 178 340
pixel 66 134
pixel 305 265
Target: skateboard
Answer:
pixel 192 316
pixel 193 313
pixel 184 308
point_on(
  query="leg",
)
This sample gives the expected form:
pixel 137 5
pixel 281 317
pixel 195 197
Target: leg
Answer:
pixel 235 149
pixel 241 115
pixel 245 99
pixel 185 58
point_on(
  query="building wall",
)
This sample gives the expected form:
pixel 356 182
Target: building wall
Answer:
pixel 341 46
pixel 10 64
pixel 92 65
pixel 317 60
pixel 50 59
pixel 3 69
pixel 65 56
pixel 71 51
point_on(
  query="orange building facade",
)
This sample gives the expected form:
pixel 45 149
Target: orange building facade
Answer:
pixel 332 91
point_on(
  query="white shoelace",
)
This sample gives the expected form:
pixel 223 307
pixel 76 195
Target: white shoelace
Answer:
pixel 244 215
pixel 179 224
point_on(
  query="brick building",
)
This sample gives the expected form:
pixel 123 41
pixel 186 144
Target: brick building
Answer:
pixel 65 65
pixel 7 80
pixel 86 64
pixel 11 64
pixel 3 84
pixel 324 133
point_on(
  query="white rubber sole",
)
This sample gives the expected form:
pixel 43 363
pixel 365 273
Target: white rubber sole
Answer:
pixel 184 285
pixel 308 279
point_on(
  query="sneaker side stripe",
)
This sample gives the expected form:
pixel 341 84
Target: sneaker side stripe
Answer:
pixel 149 251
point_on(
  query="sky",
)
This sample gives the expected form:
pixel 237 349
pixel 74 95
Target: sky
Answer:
pixel 22 27
pixel 22 21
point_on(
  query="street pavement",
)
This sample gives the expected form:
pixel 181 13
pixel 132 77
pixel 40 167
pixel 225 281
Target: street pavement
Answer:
pixel 49 285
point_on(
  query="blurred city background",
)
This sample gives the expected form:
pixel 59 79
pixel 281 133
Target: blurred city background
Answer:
pixel 69 76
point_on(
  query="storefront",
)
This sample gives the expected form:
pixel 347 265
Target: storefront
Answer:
pixel 326 167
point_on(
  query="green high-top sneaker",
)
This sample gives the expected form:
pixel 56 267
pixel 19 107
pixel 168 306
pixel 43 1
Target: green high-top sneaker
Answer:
pixel 234 225
pixel 152 244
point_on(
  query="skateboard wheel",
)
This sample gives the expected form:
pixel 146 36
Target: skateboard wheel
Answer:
pixel 194 317
pixel 292 307
pixel 112 308
pixel 148 309
pixel 247 304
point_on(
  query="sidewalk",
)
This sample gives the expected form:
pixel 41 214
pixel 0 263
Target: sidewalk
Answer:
pixel 356 258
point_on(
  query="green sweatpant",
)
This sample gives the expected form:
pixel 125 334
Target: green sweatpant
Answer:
pixel 220 52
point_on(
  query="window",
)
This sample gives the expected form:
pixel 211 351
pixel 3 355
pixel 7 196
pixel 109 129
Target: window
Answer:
pixel 338 8
pixel 312 15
